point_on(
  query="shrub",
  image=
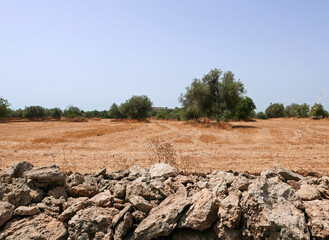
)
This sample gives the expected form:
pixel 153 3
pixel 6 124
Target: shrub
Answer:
pixel 318 111
pixel 72 112
pixel 114 111
pixel 56 113
pixel 34 112
pixel 162 115
pixel 244 108
pixel 275 110
pixel 4 110
pixel 137 107
pixel 297 110
pixel 261 115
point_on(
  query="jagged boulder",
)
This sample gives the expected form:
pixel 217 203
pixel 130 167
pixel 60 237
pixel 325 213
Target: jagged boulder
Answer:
pixel 26 211
pixel 318 214
pixel 82 186
pixel 6 212
pixel 89 222
pixel 202 213
pixel 163 219
pixel 17 170
pixel 49 174
pixel 34 227
pixel 16 193
pixel 141 204
pixel 269 211
pixel 308 192
pixel 162 170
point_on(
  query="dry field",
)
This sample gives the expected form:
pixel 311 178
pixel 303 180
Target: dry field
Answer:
pixel 297 144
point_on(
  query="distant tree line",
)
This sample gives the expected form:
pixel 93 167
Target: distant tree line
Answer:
pixel 277 110
pixel 217 95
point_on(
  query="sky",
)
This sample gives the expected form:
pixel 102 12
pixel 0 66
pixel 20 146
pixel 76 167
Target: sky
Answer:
pixel 91 54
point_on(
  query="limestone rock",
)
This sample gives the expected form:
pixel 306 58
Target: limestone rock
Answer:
pixel 308 192
pixel 189 234
pixel 162 220
pixel 203 212
pixel 230 211
pixel 141 204
pixel 287 174
pixel 119 190
pixel 225 233
pixel 122 228
pixel 34 227
pixel 17 170
pixel 17 193
pixel 91 221
pixel 162 170
pixel 269 211
pixel 58 192
pixel 50 174
pixel 71 211
pixel 6 212
pixel 119 216
pixel 102 199
pixel 138 216
pixel 318 215
pixel 82 186
pixel 26 211
pixel 51 206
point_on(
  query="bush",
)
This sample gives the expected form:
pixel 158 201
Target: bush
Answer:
pixel 72 112
pixel 4 110
pixel 114 111
pixel 318 111
pixel 56 113
pixel 34 112
pixel 275 110
pixel 137 107
pixel 162 115
pixel 244 108
pixel 297 110
pixel 261 115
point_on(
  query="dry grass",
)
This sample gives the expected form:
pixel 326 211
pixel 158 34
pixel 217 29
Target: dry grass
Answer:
pixel 297 144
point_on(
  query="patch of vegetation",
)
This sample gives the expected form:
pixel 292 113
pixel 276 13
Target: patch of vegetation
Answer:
pixel 297 110
pixel 217 96
pixel 4 108
pixel 137 107
pixel 34 112
pixel 318 111
pixel 275 110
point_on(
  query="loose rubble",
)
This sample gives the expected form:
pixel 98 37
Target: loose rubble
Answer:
pixel 160 203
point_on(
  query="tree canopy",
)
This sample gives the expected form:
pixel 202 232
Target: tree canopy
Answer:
pixel 217 96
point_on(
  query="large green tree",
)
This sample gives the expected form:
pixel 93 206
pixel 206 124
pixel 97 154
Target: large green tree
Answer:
pixel 216 95
pixel 4 107
pixel 137 107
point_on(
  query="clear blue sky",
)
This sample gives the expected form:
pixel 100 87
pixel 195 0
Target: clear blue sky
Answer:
pixel 93 53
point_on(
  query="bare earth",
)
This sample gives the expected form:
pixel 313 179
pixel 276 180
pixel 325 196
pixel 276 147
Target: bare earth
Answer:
pixel 297 144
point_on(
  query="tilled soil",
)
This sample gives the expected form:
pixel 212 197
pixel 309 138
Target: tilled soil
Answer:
pixel 298 144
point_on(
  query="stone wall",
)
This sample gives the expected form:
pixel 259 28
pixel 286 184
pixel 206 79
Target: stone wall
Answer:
pixel 158 203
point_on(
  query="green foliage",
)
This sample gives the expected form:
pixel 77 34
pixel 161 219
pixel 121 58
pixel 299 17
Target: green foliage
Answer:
pixel 72 112
pixel 162 115
pixel 275 110
pixel 297 110
pixel 34 112
pixel 114 111
pixel 4 108
pixel 216 95
pixel 244 108
pixel 318 111
pixel 56 113
pixel 137 107
pixel 261 115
